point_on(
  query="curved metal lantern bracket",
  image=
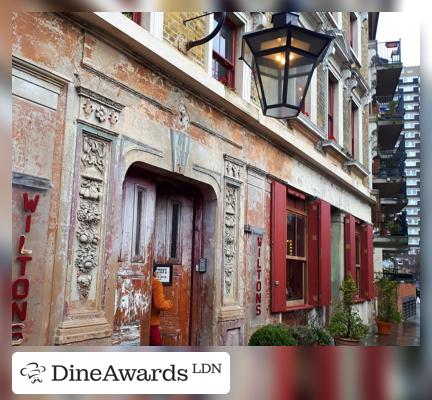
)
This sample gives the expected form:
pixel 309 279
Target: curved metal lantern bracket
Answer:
pixel 221 19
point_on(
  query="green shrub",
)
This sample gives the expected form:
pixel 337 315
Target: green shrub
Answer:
pixel 346 321
pixel 272 335
pixel 387 301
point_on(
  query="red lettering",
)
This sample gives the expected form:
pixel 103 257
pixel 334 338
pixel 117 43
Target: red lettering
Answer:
pixel 259 240
pixel 258 298
pixel 259 252
pixel 258 309
pixel 15 285
pixel 20 313
pixel 258 264
pixel 21 243
pixel 23 260
pixel 258 286
pixel 28 223
pixel 259 273
pixel 30 204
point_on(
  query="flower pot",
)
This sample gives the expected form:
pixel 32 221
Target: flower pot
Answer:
pixel 384 328
pixel 346 342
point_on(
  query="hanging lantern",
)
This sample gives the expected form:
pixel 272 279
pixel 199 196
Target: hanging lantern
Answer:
pixel 283 60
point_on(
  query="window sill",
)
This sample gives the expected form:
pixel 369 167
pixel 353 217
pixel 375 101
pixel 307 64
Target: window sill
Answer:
pixel 335 148
pixel 357 167
pixel 359 301
pixel 299 308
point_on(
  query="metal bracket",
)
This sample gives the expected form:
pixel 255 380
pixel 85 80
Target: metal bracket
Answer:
pixel 220 17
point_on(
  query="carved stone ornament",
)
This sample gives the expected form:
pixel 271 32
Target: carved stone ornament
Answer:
pixel 113 117
pixel 101 113
pixel 230 237
pixel 88 107
pixel 93 154
pixel 89 211
pixel 183 120
pixel 233 170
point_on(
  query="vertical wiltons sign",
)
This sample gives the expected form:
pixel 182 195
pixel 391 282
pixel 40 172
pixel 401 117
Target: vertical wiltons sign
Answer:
pixel 257 277
pixel 21 285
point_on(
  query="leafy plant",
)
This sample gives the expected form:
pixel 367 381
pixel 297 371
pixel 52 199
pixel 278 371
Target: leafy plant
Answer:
pixel 346 321
pixel 387 304
pixel 272 335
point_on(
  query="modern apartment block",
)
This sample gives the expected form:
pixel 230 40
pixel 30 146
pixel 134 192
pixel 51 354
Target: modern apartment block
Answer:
pixel 386 121
pixel 409 89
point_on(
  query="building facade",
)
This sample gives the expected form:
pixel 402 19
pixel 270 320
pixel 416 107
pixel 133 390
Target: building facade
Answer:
pixel 409 88
pixel 130 151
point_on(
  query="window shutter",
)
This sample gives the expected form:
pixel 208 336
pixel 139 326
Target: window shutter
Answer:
pixel 319 253
pixel 279 232
pixel 313 252
pixel 349 246
pixel 325 253
pixel 367 268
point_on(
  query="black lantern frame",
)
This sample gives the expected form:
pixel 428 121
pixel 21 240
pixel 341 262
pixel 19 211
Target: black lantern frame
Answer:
pixel 282 60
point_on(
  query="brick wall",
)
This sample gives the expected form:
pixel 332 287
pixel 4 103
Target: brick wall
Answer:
pixel 193 30
pixel 321 97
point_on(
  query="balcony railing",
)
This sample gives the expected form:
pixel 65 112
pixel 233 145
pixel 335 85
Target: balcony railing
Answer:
pixel 389 107
pixel 389 53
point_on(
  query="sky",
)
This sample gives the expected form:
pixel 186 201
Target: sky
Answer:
pixel 404 26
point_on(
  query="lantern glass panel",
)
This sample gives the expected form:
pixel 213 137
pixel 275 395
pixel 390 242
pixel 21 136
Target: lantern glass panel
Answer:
pixel 282 112
pixel 271 70
pixel 307 41
pixel 268 39
pixel 300 68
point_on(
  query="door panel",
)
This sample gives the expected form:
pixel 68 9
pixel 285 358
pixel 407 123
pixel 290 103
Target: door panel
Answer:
pixel 133 284
pixel 173 245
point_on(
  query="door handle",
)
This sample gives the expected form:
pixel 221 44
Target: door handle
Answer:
pixel 276 283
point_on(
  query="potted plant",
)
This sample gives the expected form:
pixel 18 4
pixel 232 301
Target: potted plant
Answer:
pixel 346 325
pixel 388 313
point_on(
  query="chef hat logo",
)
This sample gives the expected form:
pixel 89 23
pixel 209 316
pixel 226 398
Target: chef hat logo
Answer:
pixel 32 371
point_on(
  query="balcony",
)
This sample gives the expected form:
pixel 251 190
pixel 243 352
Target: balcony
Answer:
pixel 393 234
pixel 389 67
pixel 392 205
pixel 389 172
pixel 389 108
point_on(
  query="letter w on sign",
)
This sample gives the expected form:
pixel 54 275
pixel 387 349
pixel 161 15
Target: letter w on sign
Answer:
pixel 30 204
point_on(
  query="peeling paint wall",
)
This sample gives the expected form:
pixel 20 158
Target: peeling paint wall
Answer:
pixel 119 99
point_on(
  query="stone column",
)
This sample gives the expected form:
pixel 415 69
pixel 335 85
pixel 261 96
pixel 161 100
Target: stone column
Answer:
pixel 337 253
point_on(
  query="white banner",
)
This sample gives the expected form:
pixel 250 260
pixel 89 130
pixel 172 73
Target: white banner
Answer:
pixel 120 372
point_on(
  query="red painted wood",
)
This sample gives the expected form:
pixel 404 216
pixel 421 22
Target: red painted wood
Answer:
pixel 349 233
pixel 313 252
pixel 279 235
pixel 367 268
pixel 324 253
pixel 137 17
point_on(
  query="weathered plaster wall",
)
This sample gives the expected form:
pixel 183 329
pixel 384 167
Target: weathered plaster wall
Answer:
pixel 134 108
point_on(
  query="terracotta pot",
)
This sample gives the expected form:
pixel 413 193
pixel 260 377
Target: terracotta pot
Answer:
pixel 346 342
pixel 384 328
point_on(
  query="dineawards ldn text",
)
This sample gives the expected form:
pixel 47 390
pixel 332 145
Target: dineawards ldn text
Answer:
pixel 113 374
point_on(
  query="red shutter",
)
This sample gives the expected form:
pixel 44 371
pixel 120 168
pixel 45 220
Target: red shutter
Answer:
pixel 325 253
pixel 349 246
pixel 319 253
pixel 367 268
pixel 279 232
pixel 313 252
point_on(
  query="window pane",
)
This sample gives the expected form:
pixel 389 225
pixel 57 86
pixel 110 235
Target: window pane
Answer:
pixel 174 230
pixel 294 280
pixel 291 229
pixel 138 223
pixel 300 236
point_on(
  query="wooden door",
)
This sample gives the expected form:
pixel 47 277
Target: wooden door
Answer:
pixel 133 283
pixel 173 245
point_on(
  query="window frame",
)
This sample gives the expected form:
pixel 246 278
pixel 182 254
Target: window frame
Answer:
pixel 304 259
pixel 230 65
pixel 332 86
